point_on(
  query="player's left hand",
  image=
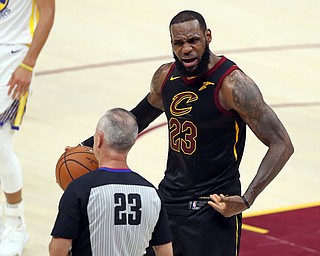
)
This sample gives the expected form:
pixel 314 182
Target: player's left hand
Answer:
pixel 19 82
pixel 227 205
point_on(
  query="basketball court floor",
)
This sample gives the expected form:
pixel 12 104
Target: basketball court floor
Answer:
pixel 102 54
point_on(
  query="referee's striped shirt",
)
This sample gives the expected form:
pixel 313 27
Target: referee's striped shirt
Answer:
pixel 111 212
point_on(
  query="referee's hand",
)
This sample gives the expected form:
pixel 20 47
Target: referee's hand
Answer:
pixel 227 205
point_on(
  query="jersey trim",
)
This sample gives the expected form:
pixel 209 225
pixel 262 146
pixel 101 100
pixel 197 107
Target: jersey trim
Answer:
pixel 20 112
pixel 34 18
pixel 167 76
pixel 236 141
pixel 216 93
pixel 209 72
pixel 113 170
pixel 237 235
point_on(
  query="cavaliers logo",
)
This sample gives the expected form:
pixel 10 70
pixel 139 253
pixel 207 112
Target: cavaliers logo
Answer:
pixel 181 103
pixel 3 4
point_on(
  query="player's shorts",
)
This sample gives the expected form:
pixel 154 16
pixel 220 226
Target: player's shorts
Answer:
pixel 11 110
pixel 197 229
pixel 202 231
pixel 15 113
pixel 205 232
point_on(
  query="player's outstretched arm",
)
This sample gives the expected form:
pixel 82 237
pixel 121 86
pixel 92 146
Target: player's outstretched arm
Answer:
pixel 240 93
pixel 145 114
pixel 150 107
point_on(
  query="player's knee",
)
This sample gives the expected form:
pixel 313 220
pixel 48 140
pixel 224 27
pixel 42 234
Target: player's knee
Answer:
pixel 10 171
pixel 11 181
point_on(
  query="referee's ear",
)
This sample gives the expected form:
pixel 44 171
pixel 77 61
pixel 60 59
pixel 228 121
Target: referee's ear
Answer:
pixel 99 139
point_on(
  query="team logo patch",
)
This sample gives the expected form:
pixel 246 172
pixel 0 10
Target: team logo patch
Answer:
pixel 182 103
pixel 205 85
pixel 4 11
pixel 3 4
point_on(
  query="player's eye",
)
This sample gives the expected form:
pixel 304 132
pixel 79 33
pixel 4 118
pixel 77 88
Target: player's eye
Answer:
pixel 178 43
pixel 193 40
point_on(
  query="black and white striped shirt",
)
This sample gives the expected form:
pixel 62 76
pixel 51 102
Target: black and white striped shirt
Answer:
pixel 111 212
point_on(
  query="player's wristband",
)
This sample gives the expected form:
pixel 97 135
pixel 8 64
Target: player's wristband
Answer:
pixel 245 202
pixel 26 67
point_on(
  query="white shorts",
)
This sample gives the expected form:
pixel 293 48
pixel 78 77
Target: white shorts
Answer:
pixel 10 58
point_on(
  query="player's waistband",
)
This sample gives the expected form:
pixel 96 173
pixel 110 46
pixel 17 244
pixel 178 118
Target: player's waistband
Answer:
pixel 198 204
pixel 188 207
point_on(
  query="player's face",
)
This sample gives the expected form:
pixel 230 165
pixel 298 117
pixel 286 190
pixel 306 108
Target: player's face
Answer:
pixel 190 47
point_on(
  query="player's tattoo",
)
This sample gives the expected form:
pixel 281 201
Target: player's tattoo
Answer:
pixel 246 95
pixel 158 78
pixel 250 104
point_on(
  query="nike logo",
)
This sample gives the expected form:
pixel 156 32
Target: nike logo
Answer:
pixel 174 78
pixel 12 51
pixel 205 85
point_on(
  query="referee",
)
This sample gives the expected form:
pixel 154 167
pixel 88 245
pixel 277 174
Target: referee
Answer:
pixel 112 210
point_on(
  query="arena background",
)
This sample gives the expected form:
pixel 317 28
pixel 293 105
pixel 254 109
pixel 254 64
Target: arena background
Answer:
pixel 102 54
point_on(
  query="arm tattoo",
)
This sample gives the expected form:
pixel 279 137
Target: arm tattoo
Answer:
pixel 248 102
pixel 158 78
pixel 250 105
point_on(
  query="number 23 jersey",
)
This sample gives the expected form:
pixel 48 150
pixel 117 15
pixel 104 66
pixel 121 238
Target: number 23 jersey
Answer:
pixel 206 142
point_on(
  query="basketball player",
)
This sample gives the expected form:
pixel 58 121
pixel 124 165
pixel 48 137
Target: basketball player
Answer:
pixel 24 28
pixel 112 210
pixel 208 102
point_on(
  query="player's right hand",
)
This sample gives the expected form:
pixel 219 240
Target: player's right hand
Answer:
pixel 227 205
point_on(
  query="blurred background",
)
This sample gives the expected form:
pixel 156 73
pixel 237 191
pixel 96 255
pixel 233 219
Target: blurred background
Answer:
pixel 102 54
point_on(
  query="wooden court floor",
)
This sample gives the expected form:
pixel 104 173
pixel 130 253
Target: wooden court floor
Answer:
pixel 102 54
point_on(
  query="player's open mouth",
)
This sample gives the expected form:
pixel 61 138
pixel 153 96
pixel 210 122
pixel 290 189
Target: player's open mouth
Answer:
pixel 189 63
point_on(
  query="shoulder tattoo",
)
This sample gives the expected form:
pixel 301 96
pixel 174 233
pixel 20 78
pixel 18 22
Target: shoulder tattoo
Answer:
pixel 246 95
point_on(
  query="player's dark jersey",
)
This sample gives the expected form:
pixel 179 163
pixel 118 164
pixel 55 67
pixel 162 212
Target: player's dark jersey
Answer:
pixel 111 212
pixel 206 142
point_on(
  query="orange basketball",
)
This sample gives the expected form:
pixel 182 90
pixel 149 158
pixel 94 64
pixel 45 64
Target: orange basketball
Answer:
pixel 74 163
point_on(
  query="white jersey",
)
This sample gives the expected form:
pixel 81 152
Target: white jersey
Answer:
pixel 18 19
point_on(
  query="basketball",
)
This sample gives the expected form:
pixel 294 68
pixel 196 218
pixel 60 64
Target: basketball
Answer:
pixel 74 163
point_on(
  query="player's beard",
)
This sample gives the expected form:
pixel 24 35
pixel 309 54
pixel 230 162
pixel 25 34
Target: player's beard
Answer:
pixel 201 68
